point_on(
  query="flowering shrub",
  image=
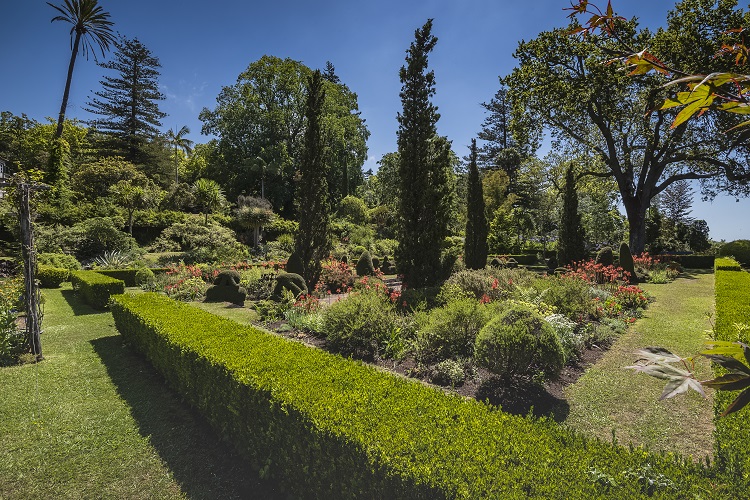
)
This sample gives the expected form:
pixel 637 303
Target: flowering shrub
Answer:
pixel 596 274
pixel 645 262
pixel 631 297
pixel 336 276
pixel 187 289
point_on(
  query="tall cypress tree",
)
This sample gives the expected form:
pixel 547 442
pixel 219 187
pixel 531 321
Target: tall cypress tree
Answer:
pixel 129 102
pixel 313 242
pixel 424 163
pixel 475 245
pixel 570 242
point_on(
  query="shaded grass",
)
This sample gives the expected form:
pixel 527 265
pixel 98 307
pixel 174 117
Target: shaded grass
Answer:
pixel 95 421
pixel 609 400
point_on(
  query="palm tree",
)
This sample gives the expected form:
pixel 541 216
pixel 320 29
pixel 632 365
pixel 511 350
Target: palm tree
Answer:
pixel 208 196
pixel 254 213
pixel 90 25
pixel 179 141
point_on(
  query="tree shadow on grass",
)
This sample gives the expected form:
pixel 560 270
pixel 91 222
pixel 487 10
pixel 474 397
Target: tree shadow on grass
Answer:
pixel 521 397
pixel 80 308
pixel 203 465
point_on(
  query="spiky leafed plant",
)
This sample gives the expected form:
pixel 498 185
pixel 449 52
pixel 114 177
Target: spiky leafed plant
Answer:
pixel 208 196
pixel 179 142
pixel 91 29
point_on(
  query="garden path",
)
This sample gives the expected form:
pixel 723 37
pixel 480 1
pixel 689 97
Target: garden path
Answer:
pixel 609 400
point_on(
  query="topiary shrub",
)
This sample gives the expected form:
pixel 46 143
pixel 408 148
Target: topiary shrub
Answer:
pixel 289 281
pixel 739 249
pixel 226 288
pixel 451 331
pixel 360 325
pixel 627 264
pixel 51 277
pixel 295 265
pixel 376 262
pixel 145 278
pixel 519 343
pixel 605 257
pixel 365 266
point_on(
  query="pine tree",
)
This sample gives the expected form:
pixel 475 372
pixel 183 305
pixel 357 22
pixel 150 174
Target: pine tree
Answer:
pixel 495 129
pixel 570 242
pixel 330 73
pixel 424 163
pixel 475 245
pixel 128 103
pixel 313 242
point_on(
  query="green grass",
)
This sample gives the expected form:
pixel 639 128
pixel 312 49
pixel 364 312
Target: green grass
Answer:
pixel 608 398
pixel 95 421
pixel 243 315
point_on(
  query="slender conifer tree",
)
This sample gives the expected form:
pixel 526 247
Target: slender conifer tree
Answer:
pixel 475 245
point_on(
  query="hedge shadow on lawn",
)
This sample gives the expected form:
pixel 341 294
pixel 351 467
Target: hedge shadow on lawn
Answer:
pixel 203 465
pixel 523 398
pixel 80 308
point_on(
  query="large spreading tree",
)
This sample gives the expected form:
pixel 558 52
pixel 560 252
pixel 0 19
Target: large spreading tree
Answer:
pixel 565 83
pixel 424 169
pixel 260 123
pixel 128 103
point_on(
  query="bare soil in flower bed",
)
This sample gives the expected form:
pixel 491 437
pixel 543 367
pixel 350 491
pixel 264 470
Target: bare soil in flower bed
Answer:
pixel 518 398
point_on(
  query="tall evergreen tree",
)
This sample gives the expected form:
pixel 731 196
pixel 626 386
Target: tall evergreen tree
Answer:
pixel 313 241
pixel 330 73
pixel 424 169
pixel 570 242
pixel 129 102
pixel 475 245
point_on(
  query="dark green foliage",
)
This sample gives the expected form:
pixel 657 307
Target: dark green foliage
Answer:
pixel 423 169
pixel 313 238
pixel 496 263
pixel 289 281
pixel 511 263
pixel 294 264
pixel 360 325
pixel 96 288
pixel 376 262
pixel 451 331
pixel 128 102
pixel 203 243
pixel 739 249
pixel 605 257
pixel 627 264
pixel 226 288
pixel 732 432
pixel 58 260
pixel 387 266
pixel 365 265
pixel 518 343
pixel 570 241
pixel 51 277
pixel 144 277
pixel 125 275
pixel 690 261
pixel 327 427
pixel 475 245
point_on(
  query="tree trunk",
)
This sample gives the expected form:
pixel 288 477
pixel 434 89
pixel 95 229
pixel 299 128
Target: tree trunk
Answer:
pixel 635 209
pixel 28 252
pixel 64 105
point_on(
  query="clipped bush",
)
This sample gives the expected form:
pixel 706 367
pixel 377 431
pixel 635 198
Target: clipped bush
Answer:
pixel 96 288
pixel 519 343
pixel 360 325
pixel 605 257
pixel 226 288
pixel 60 260
pixel 727 264
pixel 295 265
pixel 365 265
pixel 289 281
pixel 327 427
pixel 51 277
pixel 144 277
pixel 125 275
pixel 627 264
pixel 451 331
pixel 448 372
pixel 739 249
pixel 376 262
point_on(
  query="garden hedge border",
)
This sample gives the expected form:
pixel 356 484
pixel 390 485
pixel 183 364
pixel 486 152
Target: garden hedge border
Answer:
pixel 329 427
pixel 689 261
pixel 732 288
pixel 50 276
pixel 96 288
pixel 128 275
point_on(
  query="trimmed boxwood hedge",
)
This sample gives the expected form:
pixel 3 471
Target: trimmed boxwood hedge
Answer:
pixel 96 288
pixel 689 261
pixel 733 431
pixel 128 275
pixel 51 277
pixel 727 264
pixel 329 427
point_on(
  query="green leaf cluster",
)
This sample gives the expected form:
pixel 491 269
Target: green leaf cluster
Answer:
pixel 96 288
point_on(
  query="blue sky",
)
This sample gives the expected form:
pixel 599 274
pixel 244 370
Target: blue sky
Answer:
pixel 203 46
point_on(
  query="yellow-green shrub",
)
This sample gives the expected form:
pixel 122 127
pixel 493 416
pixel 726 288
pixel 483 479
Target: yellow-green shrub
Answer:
pixel 96 288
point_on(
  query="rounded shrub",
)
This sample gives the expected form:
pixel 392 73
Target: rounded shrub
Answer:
pixel 62 260
pixel 376 262
pixel 627 264
pixel 360 325
pixel 739 249
pixel 448 372
pixel 451 331
pixel 289 281
pixel 605 257
pixel 519 343
pixel 295 265
pixel 365 266
pixel 51 277
pixel 228 277
pixel 144 277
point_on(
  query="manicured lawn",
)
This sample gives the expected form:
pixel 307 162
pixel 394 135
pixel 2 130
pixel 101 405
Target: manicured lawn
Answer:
pixel 94 421
pixel 608 399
